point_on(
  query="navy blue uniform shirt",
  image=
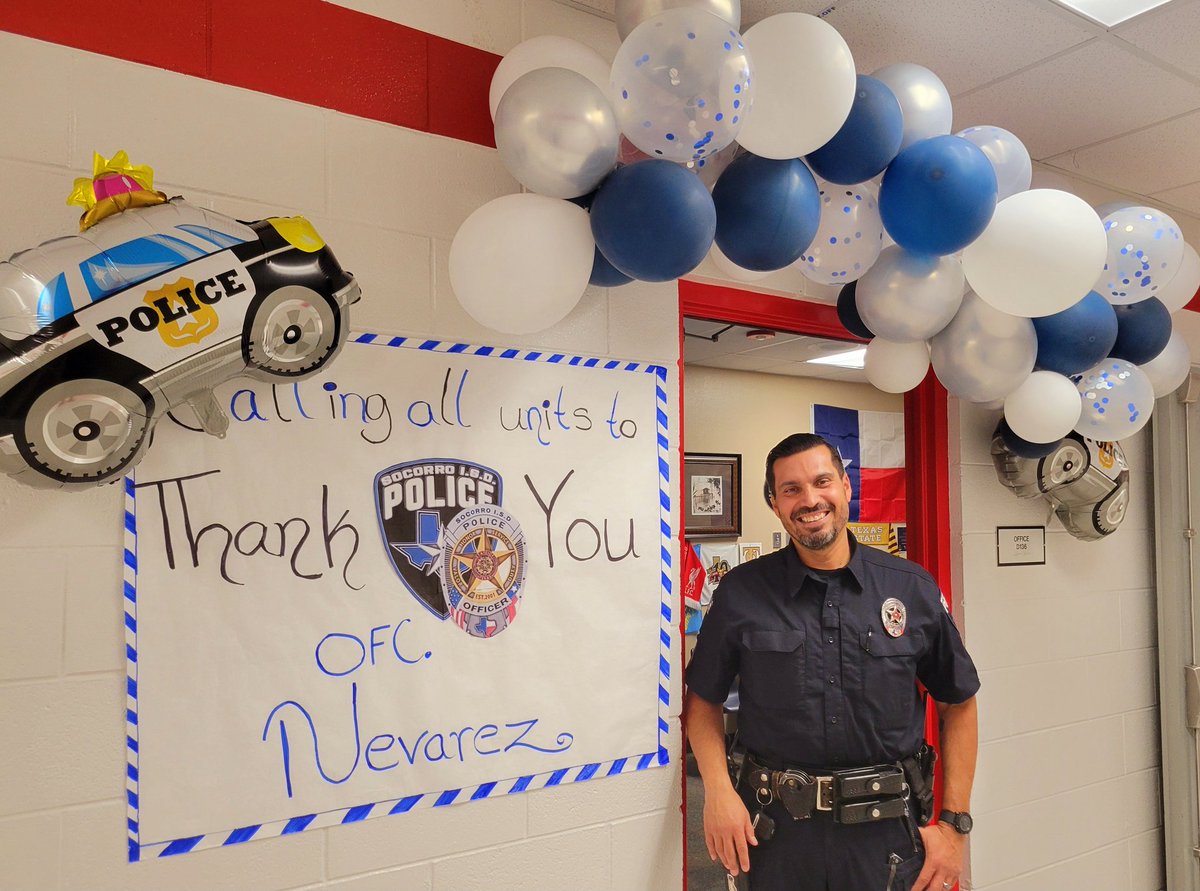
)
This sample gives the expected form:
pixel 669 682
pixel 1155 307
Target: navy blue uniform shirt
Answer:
pixel 822 682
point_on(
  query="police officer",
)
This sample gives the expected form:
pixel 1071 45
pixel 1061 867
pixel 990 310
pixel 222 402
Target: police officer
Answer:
pixel 829 638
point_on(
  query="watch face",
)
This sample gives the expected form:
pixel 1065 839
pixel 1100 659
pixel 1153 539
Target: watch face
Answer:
pixel 965 823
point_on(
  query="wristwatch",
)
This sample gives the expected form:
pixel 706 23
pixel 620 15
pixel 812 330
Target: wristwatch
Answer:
pixel 959 821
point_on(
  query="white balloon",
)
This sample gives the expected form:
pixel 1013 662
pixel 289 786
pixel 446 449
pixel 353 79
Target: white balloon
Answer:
pixel 983 354
pixel 849 237
pixel 1040 254
pixel 520 263
pixel 1044 408
pixel 923 99
pixel 731 269
pixel 804 83
pixel 896 367
pixel 556 133
pixel 1169 368
pixel 1117 400
pixel 1009 157
pixel 1182 287
pixel 906 297
pixel 546 51
pixel 631 13
pixel 681 85
pixel 1145 251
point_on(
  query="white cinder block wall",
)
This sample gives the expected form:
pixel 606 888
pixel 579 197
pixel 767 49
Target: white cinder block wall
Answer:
pixel 1068 781
pixel 389 201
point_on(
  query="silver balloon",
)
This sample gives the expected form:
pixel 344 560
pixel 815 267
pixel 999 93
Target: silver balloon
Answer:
pixel 631 13
pixel 556 132
pixel 907 297
pixel 923 99
pixel 983 354
pixel 1009 157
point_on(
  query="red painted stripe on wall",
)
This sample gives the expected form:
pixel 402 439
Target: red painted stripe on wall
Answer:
pixel 305 50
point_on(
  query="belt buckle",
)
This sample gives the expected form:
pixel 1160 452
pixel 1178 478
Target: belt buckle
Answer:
pixel 824 793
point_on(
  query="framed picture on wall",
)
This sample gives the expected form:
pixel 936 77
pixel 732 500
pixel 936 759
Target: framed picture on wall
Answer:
pixel 712 495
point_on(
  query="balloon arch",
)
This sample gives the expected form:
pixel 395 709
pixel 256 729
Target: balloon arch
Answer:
pixel 766 149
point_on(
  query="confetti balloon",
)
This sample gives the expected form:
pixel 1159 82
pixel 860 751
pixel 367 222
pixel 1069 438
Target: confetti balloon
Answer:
pixel 1145 251
pixel 681 85
pixel 849 236
pixel 631 13
pixel 1117 399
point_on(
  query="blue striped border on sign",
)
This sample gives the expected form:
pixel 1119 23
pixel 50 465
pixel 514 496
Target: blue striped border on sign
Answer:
pixel 493 789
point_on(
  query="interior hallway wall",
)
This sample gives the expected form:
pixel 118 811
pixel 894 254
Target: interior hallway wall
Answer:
pixel 389 201
pixel 1068 772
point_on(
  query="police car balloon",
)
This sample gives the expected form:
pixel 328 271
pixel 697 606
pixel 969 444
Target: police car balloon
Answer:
pixel 1086 481
pixel 152 305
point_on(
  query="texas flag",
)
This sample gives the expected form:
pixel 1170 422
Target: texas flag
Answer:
pixel 871 444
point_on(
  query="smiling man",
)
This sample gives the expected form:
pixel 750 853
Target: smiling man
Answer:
pixel 829 639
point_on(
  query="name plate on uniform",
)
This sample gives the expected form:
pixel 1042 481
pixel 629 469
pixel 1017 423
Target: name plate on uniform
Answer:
pixel 1020 545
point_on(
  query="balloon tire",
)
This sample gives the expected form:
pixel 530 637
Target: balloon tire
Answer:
pixel 262 359
pixel 1047 465
pixel 98 397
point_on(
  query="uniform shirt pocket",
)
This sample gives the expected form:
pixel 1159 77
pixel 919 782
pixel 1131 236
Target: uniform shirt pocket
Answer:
pixel 773 668
pixel 889 674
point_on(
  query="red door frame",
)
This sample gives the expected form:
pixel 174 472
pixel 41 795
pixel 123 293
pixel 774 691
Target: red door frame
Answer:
pixel 926 437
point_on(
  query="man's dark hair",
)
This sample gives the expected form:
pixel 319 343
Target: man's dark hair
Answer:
pixel 794 444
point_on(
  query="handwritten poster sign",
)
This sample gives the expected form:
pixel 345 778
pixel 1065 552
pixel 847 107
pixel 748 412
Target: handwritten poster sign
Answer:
pixel 433 574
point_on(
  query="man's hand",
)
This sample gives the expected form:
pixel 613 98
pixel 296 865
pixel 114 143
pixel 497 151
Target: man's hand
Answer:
pixel 727 829
pixel 943 858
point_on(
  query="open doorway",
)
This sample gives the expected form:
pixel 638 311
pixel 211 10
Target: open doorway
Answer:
pixel 775 337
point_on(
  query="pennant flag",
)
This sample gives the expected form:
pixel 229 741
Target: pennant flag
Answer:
pixel 871 444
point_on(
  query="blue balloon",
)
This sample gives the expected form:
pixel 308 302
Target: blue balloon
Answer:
pixel 767 211
pixel 1072 341
pixel 604 274
pixel 1143 329
pixel 869 139
pixel 1023 448
pixel 653 220
pixel 847 310
pixel 938 195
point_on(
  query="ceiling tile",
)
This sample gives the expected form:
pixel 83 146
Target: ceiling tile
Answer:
pixel 1053 107
pixel 1146 161
pixel 1169 34
pixel 967 43
pixel 1186 197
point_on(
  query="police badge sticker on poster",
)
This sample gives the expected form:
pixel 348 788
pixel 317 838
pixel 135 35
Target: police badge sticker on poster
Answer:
pixel 430 574
pixel 459 553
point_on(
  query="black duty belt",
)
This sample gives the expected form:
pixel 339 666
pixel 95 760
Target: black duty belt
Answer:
pixel 854 795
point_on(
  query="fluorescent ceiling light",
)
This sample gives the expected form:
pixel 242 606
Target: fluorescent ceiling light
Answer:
pixel 1110 13
pixel 847 359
